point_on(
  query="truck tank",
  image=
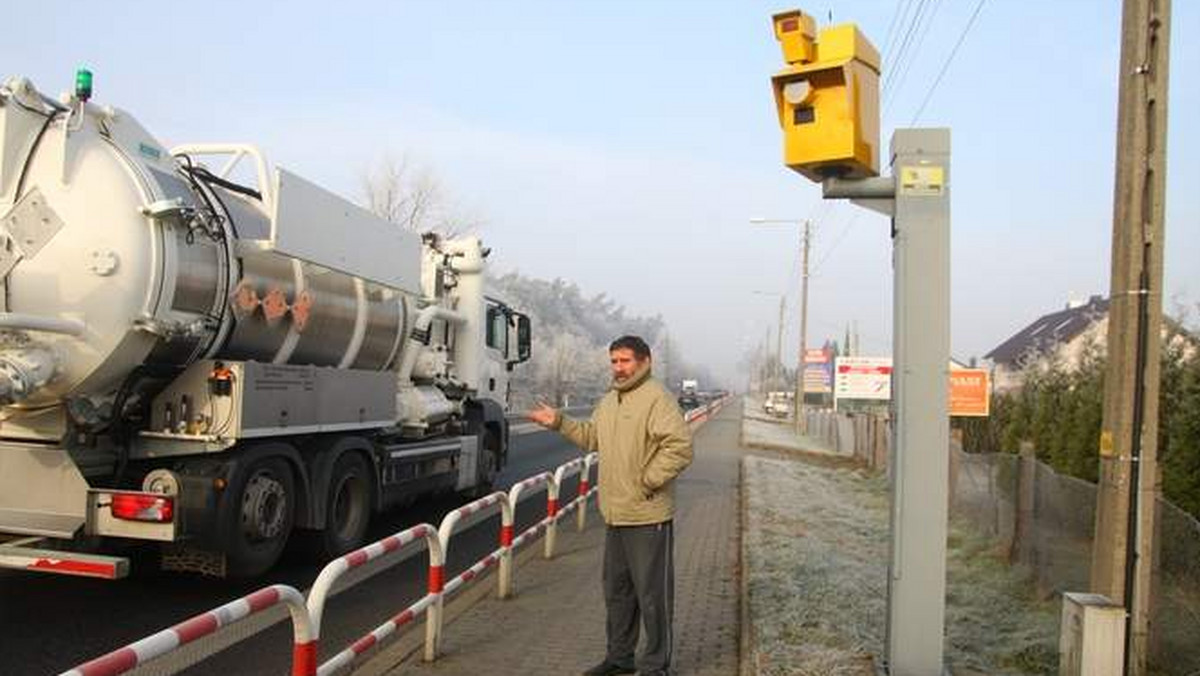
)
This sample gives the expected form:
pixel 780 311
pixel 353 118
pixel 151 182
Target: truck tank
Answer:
pixel 118 255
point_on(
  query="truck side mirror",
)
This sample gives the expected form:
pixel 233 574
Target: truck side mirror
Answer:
pixel 524 338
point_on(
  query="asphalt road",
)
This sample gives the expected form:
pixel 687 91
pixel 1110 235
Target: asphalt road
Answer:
pixel 49 624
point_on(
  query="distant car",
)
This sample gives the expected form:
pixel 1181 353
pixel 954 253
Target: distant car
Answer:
pixel 778 404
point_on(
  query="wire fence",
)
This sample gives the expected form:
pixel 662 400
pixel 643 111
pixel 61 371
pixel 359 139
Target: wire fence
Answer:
pixel 1044 521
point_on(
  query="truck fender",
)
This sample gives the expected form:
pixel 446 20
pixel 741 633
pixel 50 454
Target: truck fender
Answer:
pixel 322 454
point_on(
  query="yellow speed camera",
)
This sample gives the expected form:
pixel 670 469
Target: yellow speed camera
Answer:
pixel 827 97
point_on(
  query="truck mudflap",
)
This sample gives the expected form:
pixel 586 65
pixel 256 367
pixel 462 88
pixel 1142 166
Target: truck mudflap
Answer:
pixel 22 555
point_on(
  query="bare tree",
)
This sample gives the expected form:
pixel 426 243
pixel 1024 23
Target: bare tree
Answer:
pixel 566 364
pixel 409 194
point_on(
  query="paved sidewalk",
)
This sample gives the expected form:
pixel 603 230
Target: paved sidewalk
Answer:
pixel 555 624
pixel 763 431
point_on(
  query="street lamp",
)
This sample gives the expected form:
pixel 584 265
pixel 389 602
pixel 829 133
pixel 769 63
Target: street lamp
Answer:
pixel 801 423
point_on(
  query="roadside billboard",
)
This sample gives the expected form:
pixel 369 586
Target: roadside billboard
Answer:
pixel 818 371
pixel 870 379
pixel 970 393
pixel 867 378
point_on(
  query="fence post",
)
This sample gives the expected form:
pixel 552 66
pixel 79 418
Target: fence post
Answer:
pixel 507 519
pixel 1026 480
pixel 584 487
pixel 433 614
pixel 956 450
pixel 552 514
pixel 581 513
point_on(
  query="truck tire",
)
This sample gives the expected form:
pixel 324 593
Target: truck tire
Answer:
pixel 264 512
pixel 347 507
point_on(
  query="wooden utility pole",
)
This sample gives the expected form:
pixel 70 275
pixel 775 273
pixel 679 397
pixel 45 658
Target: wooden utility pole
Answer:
pixel 666 360
pixel 779 342
pixel 801 423
pixel 1123 556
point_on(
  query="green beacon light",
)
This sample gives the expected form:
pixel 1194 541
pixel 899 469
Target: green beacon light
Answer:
pixel 83 84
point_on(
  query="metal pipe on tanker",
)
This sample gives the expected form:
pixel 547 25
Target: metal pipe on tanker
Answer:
pixel 467 261
pixel 421 327
pixel 25 322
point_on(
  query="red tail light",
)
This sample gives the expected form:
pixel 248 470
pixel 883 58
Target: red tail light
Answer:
pixel 143 507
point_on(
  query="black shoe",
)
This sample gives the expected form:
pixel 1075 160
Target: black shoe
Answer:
pixel 607 668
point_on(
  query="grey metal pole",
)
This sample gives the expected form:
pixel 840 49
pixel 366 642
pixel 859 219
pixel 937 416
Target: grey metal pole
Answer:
pixel 917 196
pixel 921 351
pixel 801 423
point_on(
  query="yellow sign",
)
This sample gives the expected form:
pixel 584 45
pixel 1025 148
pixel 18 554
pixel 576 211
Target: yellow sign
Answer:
pixel 1107 449
pixel 922 180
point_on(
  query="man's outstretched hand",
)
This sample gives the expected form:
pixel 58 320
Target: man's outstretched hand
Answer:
pixel 542 415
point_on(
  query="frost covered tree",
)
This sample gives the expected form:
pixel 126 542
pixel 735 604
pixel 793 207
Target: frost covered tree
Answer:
pixel 409 194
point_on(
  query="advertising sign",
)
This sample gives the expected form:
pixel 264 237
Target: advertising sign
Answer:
pixel 970 392
pixel 863 378
pixel 870 378
pixel 818 371
pixel 816 356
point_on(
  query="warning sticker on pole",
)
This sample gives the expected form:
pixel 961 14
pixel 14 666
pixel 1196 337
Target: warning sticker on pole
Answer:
pixel 922 181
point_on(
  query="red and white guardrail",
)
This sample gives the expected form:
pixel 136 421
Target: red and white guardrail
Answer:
pixel 702 413
pixel 304 645
pixel 428 603
pixel 307 617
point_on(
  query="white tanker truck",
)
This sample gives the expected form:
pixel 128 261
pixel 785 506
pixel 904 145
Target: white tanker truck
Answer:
pixel 213 359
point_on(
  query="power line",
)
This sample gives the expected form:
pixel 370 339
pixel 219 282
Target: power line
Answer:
pixel 845 231
pixel 902 74
pixel 897 20
pixel 905 42
pixel 949 59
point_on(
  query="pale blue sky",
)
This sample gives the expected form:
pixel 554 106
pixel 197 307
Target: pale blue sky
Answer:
pixel 624 145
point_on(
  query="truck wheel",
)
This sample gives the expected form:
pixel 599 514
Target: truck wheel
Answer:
pixel 263 516
pixel 347 506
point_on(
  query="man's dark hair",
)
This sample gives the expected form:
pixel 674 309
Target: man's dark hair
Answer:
pixel 640 349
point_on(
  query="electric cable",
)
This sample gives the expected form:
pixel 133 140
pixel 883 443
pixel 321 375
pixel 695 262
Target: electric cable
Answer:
pixel 841 236
pixel 903 70
pixel 949 60
pixel 898 19
pixel 208 177
pixel 901 51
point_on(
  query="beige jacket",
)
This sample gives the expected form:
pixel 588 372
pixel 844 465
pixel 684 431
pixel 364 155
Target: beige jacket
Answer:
pixel 643 443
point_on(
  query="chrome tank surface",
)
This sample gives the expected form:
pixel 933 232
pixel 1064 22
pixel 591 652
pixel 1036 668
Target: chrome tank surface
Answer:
pixel 113 255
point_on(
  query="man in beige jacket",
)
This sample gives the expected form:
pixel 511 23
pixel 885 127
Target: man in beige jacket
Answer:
pixel 644 444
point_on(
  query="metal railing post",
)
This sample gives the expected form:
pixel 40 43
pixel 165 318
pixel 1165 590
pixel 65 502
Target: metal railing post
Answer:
pixel 507 519
pixel 584 488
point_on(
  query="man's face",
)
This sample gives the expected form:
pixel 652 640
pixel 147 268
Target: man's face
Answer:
pixel 624 363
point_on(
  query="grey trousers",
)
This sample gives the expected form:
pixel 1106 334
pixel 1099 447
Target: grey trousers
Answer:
pixel 639 584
